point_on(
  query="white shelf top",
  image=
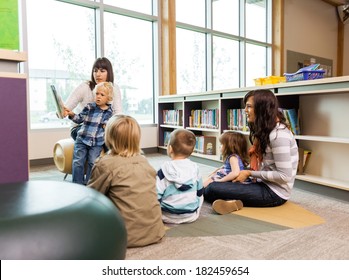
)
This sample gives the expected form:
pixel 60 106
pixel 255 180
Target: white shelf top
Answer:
pixel 330 182
pixel 327 139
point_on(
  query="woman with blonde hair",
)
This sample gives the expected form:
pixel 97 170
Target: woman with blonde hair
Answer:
pixel 127 178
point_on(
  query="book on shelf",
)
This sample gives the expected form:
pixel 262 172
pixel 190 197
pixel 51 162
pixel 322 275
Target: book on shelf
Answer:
pixel 303 160
pixel 166 137
pixel 205 118
pixel 237 120
pixel 292 117
pixel 172 117
pixel 205 145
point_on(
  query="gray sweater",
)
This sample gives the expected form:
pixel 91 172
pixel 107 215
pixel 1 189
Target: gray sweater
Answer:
pixel 279 166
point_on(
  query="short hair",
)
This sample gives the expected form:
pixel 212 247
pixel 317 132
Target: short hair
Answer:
pixel 107 88
pixel 122 136
pixel 182 142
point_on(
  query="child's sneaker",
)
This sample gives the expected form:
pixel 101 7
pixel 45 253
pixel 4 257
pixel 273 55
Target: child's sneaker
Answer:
pixel 222 207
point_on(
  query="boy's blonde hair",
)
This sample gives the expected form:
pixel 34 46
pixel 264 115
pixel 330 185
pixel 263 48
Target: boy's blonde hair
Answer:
pixel 182 142
pixel 107 88
pixel 123 136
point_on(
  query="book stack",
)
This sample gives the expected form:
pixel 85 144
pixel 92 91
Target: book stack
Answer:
pixel 205 145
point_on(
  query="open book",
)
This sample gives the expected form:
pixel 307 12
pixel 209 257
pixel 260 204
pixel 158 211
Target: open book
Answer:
pixel 58 102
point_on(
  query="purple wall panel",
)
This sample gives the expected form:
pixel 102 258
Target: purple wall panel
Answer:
pixel 14 164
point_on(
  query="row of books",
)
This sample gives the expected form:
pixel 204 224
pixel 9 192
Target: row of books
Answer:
pixel 172 117
pixel 204 144
pixel 237 120
pixel 205 118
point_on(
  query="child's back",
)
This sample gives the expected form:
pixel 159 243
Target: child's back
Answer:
pixel 127 178
pixel 130 183
pixel 179 187
pixel 179 183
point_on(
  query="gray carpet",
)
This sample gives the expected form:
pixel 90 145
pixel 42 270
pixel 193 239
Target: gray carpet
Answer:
pixel 329 240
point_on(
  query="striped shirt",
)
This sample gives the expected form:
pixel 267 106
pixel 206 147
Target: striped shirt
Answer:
pixel 279 166
pixel 94 119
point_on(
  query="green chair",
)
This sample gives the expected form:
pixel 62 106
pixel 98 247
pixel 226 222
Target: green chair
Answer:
pixel 59 220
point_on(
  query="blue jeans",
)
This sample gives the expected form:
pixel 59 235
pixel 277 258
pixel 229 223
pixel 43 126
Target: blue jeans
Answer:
pixel 251 194
pixel 84 155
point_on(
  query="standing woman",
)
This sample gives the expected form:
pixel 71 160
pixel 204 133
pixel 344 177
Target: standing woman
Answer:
pixel 274 159
pixel 102 71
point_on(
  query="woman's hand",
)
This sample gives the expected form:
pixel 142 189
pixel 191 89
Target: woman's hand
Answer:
pixel 243 175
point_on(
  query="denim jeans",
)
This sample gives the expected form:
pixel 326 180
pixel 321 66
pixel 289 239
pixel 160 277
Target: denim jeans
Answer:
pixel 251 194
pixel 84 155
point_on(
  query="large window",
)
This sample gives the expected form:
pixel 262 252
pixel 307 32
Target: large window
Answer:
pixel 220 44
pixel 131 52
pixel 64 38
pixel 61 52
pixel 235 44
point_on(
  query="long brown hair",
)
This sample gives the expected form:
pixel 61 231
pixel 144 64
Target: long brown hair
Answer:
pixel 267 114
pixel 102 63
pixel 234 142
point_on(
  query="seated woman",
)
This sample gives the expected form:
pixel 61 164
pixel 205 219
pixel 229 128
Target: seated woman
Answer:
pixel 274 159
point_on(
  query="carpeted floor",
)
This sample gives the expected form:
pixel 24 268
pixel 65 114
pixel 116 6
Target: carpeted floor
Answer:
pixel 314 226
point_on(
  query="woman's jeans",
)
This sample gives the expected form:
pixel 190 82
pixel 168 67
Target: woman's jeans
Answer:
pixel 251 194
pixel 84 156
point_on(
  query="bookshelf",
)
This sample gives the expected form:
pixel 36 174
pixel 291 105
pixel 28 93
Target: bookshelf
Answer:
pixel 323 108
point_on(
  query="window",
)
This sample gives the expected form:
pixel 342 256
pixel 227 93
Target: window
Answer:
pixel 226 72
pixel 191 61
pixel 64 40
pixel 131 52
pixel 61 52
pixel 142 6
pixel 235 46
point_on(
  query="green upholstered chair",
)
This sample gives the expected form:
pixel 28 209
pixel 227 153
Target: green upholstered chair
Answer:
pixel 59 220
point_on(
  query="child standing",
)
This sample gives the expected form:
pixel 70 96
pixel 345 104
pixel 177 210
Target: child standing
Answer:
pixel 127 178
pixel 179 183
pixel 90 137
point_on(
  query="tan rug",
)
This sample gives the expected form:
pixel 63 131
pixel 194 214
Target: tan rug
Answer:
pixel 289 215
pixel 248 220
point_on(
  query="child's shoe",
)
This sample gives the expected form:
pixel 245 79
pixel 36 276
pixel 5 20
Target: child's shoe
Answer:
pixel 222 207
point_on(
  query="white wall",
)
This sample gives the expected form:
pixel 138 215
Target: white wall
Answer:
pixel 311 28
pixel 41 142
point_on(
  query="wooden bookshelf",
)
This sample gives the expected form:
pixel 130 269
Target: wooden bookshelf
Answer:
pixel 323 109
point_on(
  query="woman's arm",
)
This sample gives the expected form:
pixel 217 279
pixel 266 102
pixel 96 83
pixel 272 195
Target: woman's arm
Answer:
pixel 117 104
pixel 81 95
